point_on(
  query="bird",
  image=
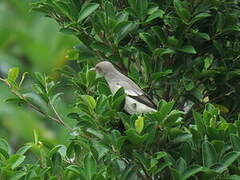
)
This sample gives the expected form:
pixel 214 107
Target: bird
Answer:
pixel 136 100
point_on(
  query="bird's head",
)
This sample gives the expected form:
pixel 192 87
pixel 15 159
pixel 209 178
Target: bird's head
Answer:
pixel 104 67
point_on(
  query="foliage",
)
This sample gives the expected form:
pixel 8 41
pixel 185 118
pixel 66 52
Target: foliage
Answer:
pixel 182 51
pixel 31 42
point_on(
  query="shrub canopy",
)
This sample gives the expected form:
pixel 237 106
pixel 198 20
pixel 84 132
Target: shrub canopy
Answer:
pixel 185 54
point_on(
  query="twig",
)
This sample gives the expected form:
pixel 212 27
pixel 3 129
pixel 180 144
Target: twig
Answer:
pixel 59 117
pixel 59 120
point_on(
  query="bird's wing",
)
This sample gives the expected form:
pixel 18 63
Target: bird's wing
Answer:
pixel 133 91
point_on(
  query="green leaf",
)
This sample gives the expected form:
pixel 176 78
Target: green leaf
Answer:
pixel 12 74
pixel 101 149
pixel 103 88
pixel 148 39
pixel 209 154
pixel 35 136
pixel 18 175
pixel 162 51
pixel 118 98
pixel 229 158
pixel 199 17
pixel 4 148
pixel 158 75
pixel 89 101
pixel 90 166
pixel 23 149
pixel 189 86
pixel 75 169
pixel 86 10
pixel 22 78
pixel 141 8
pixel 139 124
pixel 90 77
pixel 56 96
pixel 54 150
pixel 99 46
pixel 235 141
pixel 207 62
pixel 201 35
pixel 181 165
pixel 15 160
pixel 173 118
pixel 164 108
pixel 68 31
pixel 134 137
pixel 37 88
pixel 4 145
pixel 187 49
pixel 123 29
pixel 156 14
pixel 64 9
pixel 95 133
pixel 182 11
pixel 158 31
pixel 190 171
pixel 40 77
pixel 199 122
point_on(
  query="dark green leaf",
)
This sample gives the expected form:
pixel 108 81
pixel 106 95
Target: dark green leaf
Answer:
pixel 123 29
pixel 90 166
pixel 209 154
pixel 229 158
pixel 192 170
pixel 188 49
pixel 86 10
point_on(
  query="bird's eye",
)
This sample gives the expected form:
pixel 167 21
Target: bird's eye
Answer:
pixel 99 70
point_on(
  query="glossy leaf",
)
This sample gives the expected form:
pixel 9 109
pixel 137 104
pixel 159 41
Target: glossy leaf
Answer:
pixel 139 124
pixel 86 10
pixel 209 154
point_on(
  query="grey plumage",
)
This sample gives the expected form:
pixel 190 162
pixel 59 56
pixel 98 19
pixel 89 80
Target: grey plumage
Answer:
pixel 137 101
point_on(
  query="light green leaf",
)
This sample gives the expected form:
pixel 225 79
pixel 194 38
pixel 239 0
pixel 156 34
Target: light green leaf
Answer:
pixel 13 74
pixel 18 175
pixel 89 101
pixel 35 136
pixel 139 124
pixel 15 160
pixel 207 62
pixel 56 96
pixel 23 149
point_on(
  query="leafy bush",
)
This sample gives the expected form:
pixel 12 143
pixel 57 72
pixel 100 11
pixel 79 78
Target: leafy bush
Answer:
pixel 182 51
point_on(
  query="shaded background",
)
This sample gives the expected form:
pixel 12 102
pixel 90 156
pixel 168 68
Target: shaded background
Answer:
pixel 32 42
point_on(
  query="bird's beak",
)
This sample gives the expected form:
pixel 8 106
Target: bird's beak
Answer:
pixel 92 69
